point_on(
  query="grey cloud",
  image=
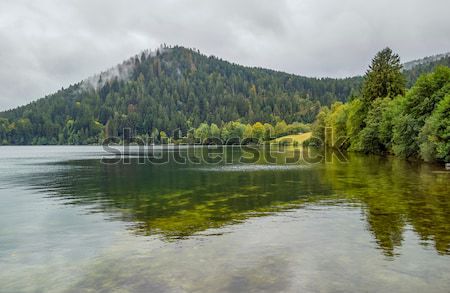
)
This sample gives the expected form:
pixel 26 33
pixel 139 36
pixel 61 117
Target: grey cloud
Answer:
pixel 45 44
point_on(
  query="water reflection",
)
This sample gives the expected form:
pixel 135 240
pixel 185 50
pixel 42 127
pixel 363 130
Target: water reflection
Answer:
pixel 396 193
pixel 177 201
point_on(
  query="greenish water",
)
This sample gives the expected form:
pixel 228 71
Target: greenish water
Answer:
pixel 71 223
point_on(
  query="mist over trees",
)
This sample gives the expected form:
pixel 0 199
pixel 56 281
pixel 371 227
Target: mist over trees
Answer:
pixel 173 91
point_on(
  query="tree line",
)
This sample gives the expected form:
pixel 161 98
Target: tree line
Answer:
pixel 388 119
pixel 173 90
pixel 233 132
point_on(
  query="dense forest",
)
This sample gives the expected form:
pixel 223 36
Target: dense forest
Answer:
pixel 387 118
pixel 414 69
pixel 174 91
pixel 170 90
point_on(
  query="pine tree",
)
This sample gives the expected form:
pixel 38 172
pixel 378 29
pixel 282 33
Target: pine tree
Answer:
pixel 384 77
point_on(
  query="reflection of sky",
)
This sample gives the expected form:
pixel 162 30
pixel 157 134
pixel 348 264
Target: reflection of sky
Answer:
pixel 42 240
pixel 48 246
pixel 296 250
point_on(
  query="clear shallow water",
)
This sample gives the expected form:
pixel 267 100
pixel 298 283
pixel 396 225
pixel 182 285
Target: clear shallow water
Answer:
pixel 69 223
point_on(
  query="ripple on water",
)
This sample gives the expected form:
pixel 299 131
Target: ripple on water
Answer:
pixel 250 168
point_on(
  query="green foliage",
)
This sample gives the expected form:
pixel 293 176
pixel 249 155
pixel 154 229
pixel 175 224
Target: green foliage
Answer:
pixel 384 77
pixel 371 139
pixel 391 109
pixel 163 138
pixel 435 135
pixel 425 66
pixel 178 89
pixel 320 124
pixel 4 131
pixel 214 131
pixel 418 105
pixel 281 128
pixel 298 127
pixel 258 131
pixel 403 137
pixel 235 132
pixel 202 132
pixel 414 125
pixel 355 120
pixel 269 131
pixel 337 120
pixel 175 89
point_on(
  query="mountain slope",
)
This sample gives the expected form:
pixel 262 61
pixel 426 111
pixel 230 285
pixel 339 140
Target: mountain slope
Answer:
pixel 435 59
pixel 172 88
pixel 413 69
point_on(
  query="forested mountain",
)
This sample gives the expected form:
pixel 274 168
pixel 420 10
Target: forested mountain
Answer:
pixel 413 69
pixel 171 89
pixel 435 59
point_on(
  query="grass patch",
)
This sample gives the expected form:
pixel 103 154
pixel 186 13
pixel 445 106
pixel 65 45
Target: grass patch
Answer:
pixel 293 139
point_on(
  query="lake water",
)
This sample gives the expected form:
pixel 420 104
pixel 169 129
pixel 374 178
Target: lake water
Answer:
pixel 71 222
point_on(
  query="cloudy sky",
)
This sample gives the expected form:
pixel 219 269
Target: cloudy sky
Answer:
pixel 45 45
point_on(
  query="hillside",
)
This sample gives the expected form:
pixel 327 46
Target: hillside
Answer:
pixel 172 89
pixel 439 58
pixel 414 69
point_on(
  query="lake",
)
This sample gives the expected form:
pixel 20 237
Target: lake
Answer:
pixel 75 220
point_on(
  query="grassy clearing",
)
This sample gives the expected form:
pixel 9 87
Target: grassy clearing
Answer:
pixel 293 138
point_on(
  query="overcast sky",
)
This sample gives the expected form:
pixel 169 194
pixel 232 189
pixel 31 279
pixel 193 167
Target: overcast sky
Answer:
pixel 45 45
